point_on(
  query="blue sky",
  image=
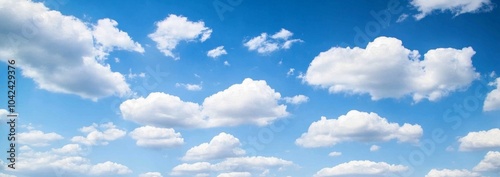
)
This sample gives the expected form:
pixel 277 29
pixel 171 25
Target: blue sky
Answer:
pixel 242 88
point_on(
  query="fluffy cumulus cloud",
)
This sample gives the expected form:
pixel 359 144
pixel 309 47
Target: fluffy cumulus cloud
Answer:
pixel 297 99
pixel 38 138
pixel 58 163
pixel 221 146
pixel 108 38
pixel 99 134
pixel 361 168
pixel 253 164
pixel 491 162
pixel 58 51
pixel 151 174
pixel 386 69
pixel 451 173
pixel 480 140
pixel 148 136
pixel 266 44
pixel 426 7
pixel 214 53
pixel 175 29
pixel 163 110
pixel 357 126
pixel 492 101
pixel 251 102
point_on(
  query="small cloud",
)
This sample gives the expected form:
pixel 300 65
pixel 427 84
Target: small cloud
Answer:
pixel 38 138
pixel 402 18
pixel 214 53
pixel 175 29
pixel 297 99
pixel 226 63
pixel 374 148
pixel 190 87
pixel 135 75
pixel 264 44
pixel 290 72
pixel 334 154
pixel 153 137
pixel 99 134
pixel 117 60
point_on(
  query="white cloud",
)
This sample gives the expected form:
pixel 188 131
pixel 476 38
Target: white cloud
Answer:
pixel 57 52
pixel 68 149
pixel 297 99
pixel 175 29
pixel 251 102
pixel 264 44
pixel 386 69
pixel 290 72
pixel 361 168
pixel 492 101
pixel 109 168
pixel 214 53
pixel 109 38
pixel 99 134
pixel 426 7
pixel 6 175
pixel 374 148
pixel 491 162
pixel 402 18
pixel 226 63
pixel 148 136
pixel 58 163
pixel 334 154
pixel 480 140
pixel 257 164
pixel 194 168
pixel 235 174
pixel 134 75
pixel 221 146
pixel 162 110
pixel 282 34
pixel 357 126
pixel 253 163
pixel 151 174
pixel 3 114
pixel 190 87
pixel 38 138
pixel 451 173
